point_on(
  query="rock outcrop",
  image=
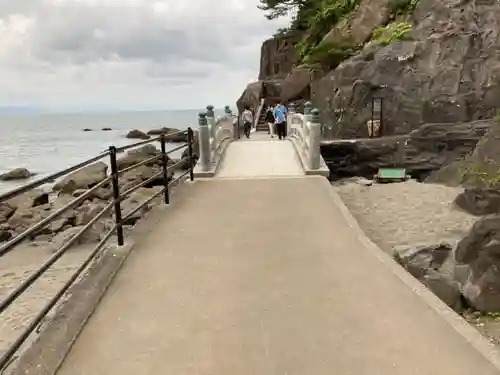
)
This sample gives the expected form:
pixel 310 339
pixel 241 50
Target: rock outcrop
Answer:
pixel 423 151
pixel 277 57
pixel 137 134
pixel 23 212
pixel 16 174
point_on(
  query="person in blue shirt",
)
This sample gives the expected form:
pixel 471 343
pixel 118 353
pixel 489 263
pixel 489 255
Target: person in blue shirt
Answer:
pixel 279 113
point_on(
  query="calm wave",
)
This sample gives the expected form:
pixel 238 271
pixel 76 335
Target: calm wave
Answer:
pixel 50 142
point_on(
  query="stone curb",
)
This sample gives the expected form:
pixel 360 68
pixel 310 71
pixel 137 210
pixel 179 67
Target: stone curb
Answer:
pixel 460 325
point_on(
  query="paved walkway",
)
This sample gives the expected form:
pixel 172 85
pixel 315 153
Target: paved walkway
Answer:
pixel 250 277
pixel 260 157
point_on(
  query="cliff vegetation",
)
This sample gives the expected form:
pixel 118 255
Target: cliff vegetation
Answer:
pixel 313 20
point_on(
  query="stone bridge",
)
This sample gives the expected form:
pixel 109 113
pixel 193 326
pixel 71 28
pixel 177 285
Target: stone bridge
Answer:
pixel 256 268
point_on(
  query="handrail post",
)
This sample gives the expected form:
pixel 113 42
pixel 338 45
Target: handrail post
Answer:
pixel 307 111
pixel 212 125
pixel 314 140
pixel 291 111
pixel 190 153
pixel 116 195
pixel 228 112
pixel 166 194
pixel 204 140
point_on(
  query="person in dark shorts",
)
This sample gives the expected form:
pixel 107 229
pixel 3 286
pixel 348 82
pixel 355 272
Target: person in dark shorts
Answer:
pixel 279 113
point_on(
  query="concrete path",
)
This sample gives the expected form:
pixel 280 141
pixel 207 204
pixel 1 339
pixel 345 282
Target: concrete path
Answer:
pixel 247 277
pixel 260 156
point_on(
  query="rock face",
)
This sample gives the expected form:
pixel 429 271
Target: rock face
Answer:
pixel 450 72
pixel 277 58
pixel 424 150
pixel 137 134
pixel 16 174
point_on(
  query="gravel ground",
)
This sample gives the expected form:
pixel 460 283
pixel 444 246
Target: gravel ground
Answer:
pixel 413 213
pixel 405 213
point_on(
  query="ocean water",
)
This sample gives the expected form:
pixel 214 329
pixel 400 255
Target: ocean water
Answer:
pixel 48 143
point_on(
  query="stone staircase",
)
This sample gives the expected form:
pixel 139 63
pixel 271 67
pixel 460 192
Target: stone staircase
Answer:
pixel 261 124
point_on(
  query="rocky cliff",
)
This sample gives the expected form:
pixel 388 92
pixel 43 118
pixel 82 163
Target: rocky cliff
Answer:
pixel 431 61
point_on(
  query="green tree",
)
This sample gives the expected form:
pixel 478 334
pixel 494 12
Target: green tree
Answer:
pixel 279 8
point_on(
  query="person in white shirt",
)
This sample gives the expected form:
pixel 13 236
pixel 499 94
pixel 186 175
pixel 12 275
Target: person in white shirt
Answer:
pixel 247 117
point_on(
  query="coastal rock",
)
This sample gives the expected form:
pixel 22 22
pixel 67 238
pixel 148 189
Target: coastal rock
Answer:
pixel 424 150
pixel 16 174
pixel 478 252
pixel 479 168
pixel 296 85
pixel 136 198
pixel 172 134
pixel 25 218
pixel 5 235
pixel 32 198
pixel 87 130
pixel 137 175
pixel 479 201
pixel 6 211
pixel 139 154
pixel 106 129
pixel 62 238
pixel 137 134
pixel 83 178
pixel 418 260
pixel 433 265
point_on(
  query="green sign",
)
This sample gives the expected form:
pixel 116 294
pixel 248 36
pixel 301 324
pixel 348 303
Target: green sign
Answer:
pixel 391 173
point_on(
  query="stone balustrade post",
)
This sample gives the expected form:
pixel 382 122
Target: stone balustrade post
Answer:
pixel 211 123
pixel 227 111
pixel 291 111
pixel 314 155
pixel 307 111
pixel 204 140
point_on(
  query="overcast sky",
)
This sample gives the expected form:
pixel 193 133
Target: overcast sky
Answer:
pixel 136 54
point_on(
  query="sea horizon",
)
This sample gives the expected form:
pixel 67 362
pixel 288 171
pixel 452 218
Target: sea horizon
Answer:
pixel 45 143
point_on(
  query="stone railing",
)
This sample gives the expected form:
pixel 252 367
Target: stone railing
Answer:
pixel 305 132
pixel 214 136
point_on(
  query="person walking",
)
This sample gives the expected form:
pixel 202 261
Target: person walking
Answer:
pixel 279 113
pixel 270 120
pixel 247 116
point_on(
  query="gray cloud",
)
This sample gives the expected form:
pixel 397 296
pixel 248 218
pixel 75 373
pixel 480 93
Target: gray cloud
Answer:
pixel 148 44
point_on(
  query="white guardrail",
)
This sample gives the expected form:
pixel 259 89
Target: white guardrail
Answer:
pixel 305 129
pixel 214 134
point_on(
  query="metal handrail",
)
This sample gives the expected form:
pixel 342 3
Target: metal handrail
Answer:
pixel 8 355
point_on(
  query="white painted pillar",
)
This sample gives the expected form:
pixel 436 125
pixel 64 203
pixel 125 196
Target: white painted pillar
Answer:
pixel 205 147
pixel 314 140
pixel 212 125
pixel 291 111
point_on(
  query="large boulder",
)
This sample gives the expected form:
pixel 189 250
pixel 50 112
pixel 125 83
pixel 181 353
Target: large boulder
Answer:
pixel 296 85
pixel 479 168
pixel 172 134
pixel 436 77
pixel 424 150
pixel 270 90
pixel 137 134
pixel 83 178
pixel 16 174
pixel 478 251
pixel 433 266
pixel 479 201
pixel 139 154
